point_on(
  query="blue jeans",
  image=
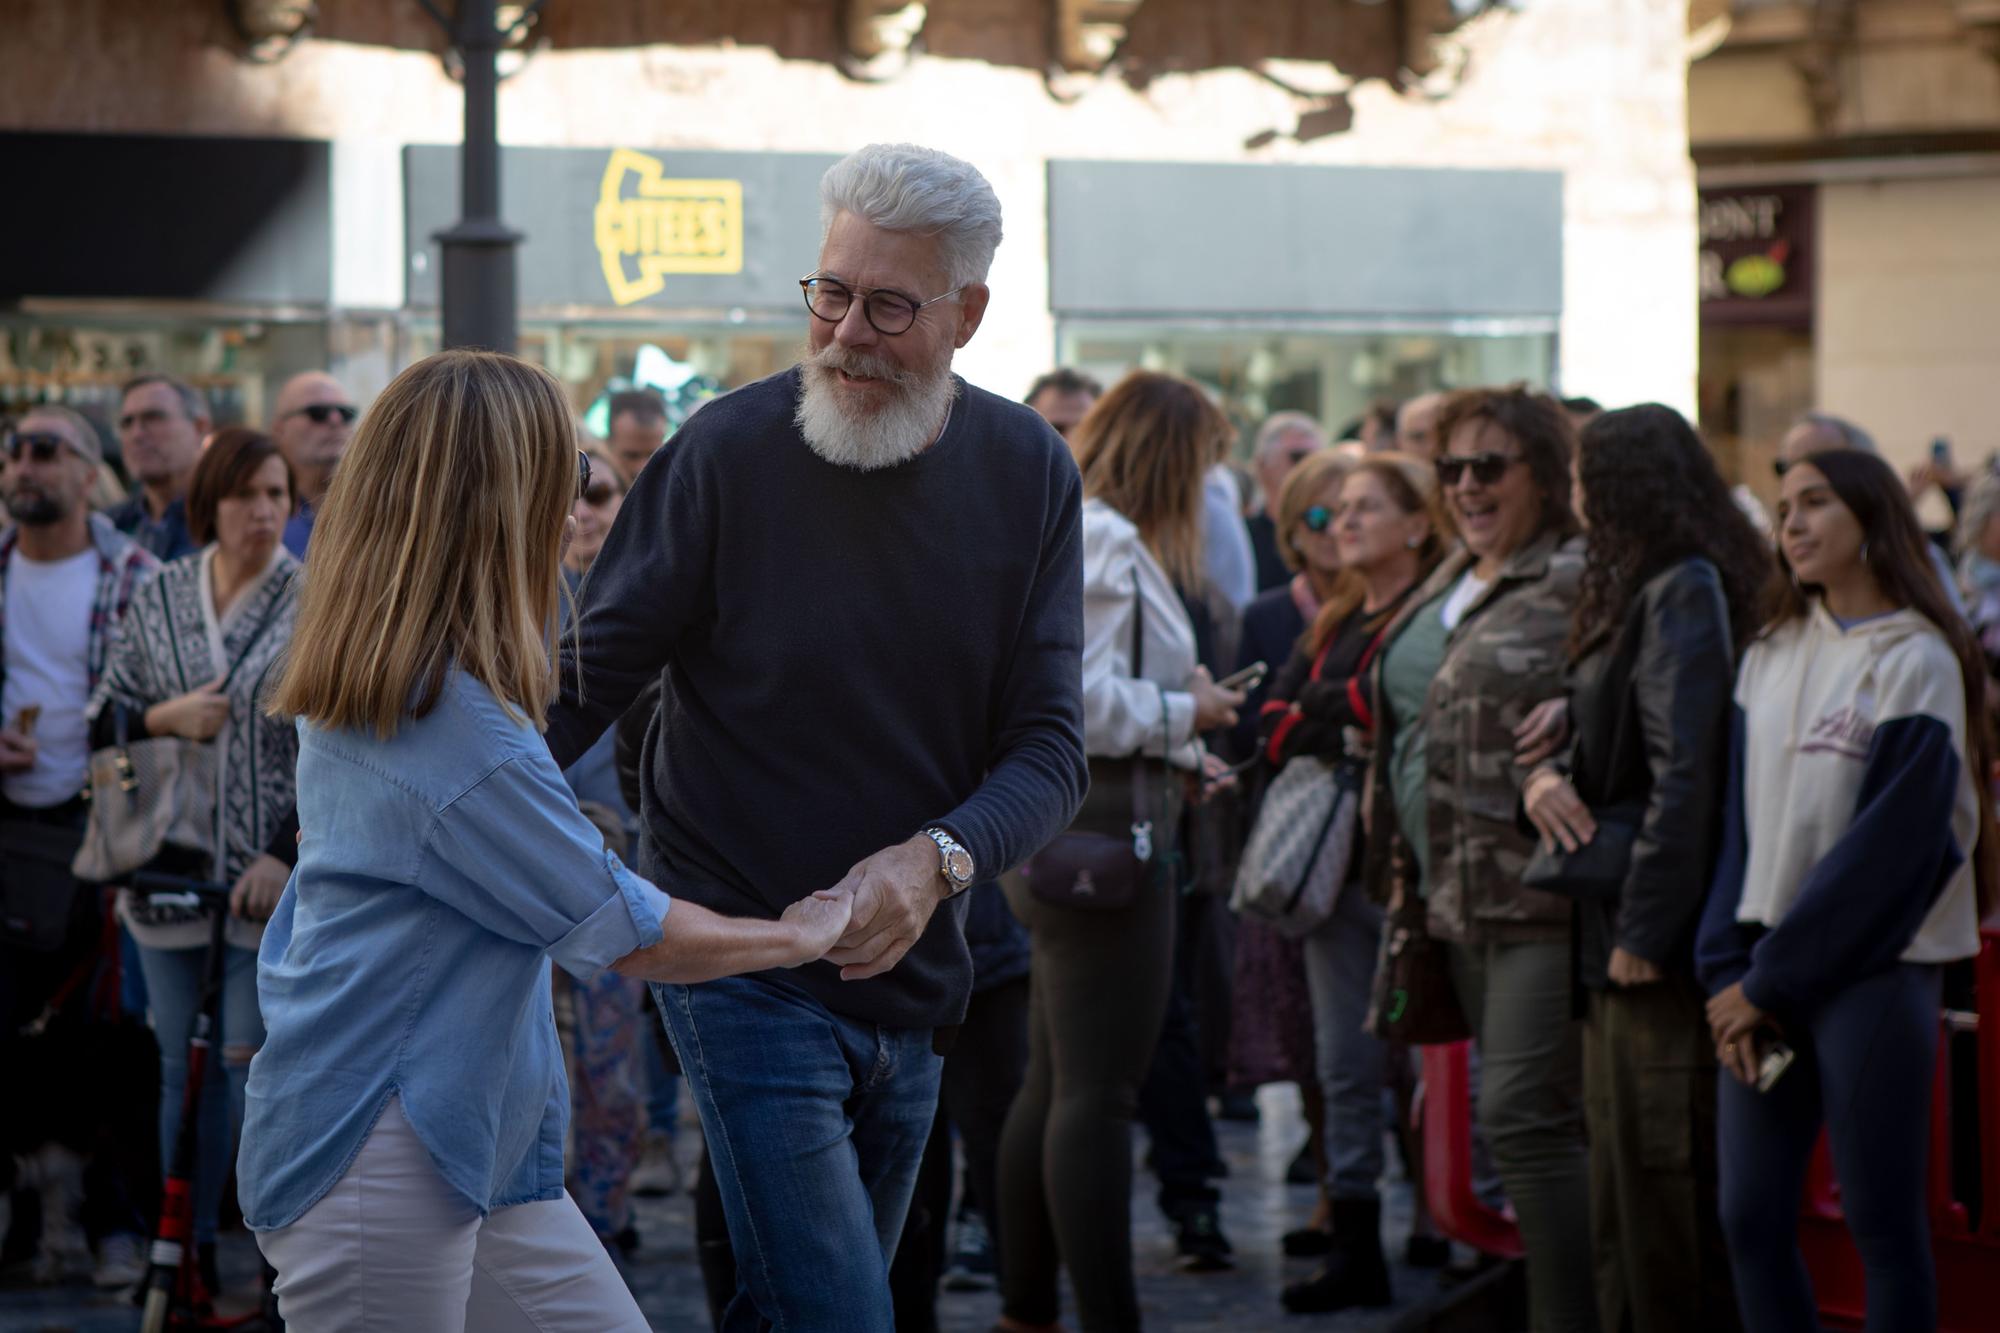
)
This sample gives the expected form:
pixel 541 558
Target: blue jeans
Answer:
pixel 816 1126
pixel 1340 973
pixel 662 1087
pixel 173 988
pixel 1864 1069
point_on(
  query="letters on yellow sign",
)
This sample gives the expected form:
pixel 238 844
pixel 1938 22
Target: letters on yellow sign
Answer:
pixel 648 226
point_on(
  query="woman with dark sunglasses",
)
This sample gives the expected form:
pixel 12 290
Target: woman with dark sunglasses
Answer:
pixel 1477 647
pixel 1270 1035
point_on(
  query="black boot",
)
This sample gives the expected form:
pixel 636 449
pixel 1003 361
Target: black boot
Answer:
pixel 1356 1274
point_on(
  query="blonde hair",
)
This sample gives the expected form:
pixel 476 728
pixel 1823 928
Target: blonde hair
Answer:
pixel 437 547
pixel 1307 480
pixel 1144 449
pixel 1412 486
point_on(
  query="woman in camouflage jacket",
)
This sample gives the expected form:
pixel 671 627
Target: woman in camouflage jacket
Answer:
pixel 1480 645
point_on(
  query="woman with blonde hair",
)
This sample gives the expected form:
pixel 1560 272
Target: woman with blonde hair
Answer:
pixel 1270 1032
pixel 402 1158
pixel 1098 988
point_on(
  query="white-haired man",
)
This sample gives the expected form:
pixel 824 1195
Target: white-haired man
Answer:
pixel 863 580
pixel 1285 440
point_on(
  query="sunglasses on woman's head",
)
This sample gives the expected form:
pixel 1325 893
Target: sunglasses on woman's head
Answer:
pixel 1487 468
pixel 582 475
pixel 1319 518
pixel 42 448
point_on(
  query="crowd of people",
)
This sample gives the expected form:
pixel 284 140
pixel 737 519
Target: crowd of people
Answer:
pixel 1679 812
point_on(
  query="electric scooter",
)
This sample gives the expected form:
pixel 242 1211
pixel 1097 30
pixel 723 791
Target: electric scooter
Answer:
pixel 175 1297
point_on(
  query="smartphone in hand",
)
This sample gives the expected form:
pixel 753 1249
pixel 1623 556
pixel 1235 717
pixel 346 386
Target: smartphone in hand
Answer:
pixel 1246 679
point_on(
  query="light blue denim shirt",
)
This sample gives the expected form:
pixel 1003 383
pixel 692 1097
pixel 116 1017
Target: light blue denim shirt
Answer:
pixel 441 870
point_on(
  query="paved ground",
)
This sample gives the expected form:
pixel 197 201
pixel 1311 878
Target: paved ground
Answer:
pixel 1257 1209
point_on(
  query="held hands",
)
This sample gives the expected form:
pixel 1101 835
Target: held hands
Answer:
pixel 256 894
pixel 1542 732
pixel 1556 811
pixel 819 921
pixel 196 715
pixel 894 891
pixel 17 752
pixel 1733 1022
pixel 1213 706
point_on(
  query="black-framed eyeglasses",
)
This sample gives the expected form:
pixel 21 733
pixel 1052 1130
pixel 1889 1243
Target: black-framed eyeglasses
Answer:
pixel 1318 518
pixel 887 312
pixel 1487 468
pixel 41 447
pixel 582 474
pixel 322 413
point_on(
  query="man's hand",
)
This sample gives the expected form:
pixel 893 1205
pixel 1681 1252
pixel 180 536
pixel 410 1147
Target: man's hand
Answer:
pixel 256 894
pixel 17 752
pixel 895 891
pixel 1732 1018
pixel 1542 732
pixel 1629 969
pixel 819 920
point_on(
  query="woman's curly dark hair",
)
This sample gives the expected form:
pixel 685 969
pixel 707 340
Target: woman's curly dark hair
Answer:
pixel 1652 497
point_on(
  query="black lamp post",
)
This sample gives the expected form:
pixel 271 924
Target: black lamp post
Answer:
pixel 478 250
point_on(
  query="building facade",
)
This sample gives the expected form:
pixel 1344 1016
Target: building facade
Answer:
pixel 1848 155
pixel 1303 203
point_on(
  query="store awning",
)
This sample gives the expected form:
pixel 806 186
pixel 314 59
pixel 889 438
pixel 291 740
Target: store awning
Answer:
pixel 1221 241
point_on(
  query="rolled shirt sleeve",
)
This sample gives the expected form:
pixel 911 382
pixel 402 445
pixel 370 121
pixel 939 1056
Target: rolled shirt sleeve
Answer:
pixel 515 855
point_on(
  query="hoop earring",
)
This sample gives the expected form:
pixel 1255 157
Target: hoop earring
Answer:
pixel 1864 550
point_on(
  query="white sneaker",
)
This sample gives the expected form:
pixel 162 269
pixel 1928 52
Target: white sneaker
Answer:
pixel 121 1262
pixel 57 1173
pixel 658 1171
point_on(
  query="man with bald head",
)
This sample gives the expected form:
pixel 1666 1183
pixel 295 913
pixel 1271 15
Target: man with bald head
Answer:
pixel 313 420
pixel 1416 427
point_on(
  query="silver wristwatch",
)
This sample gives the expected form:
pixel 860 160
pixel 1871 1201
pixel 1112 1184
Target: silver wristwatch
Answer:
pixel 954 862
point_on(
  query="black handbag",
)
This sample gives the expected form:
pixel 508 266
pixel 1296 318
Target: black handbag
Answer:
pixel 1103 868
pixel 38 894
pixel 1413 999
pixel 1596 870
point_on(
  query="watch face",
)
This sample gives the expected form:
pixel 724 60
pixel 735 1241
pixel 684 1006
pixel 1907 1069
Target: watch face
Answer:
pixel 959 863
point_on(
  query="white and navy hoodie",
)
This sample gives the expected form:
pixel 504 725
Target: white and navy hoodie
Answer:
pixel 1850 813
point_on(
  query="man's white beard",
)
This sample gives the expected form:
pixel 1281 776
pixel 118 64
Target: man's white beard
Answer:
pixel 895 433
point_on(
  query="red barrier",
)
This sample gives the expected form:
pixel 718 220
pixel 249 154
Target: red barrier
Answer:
pixel 1968 1256
pixel 1447 1122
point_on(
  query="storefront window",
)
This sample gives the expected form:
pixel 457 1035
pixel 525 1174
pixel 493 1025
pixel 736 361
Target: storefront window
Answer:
pixel 81 358
pixel 1332 375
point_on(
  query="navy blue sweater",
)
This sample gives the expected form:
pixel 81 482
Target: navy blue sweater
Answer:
pixel 850 657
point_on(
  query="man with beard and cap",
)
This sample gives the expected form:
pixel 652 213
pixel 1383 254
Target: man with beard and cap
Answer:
pixel 66 578
pixel 313 419
pixel 862 579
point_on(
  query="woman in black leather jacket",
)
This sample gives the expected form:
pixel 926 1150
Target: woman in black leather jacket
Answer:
pixel 1673 574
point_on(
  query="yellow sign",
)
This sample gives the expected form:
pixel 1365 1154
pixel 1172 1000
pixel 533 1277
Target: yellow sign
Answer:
pixel 648 226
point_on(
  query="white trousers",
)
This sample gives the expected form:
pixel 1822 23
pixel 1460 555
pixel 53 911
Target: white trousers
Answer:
pixel 393 1249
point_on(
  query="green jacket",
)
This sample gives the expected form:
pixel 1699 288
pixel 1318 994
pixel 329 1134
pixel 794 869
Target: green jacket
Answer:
pixel 1506 656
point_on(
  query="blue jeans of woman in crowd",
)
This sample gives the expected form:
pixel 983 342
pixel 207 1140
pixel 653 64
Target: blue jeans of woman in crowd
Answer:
pixel 173 988
pixel 1864 1068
